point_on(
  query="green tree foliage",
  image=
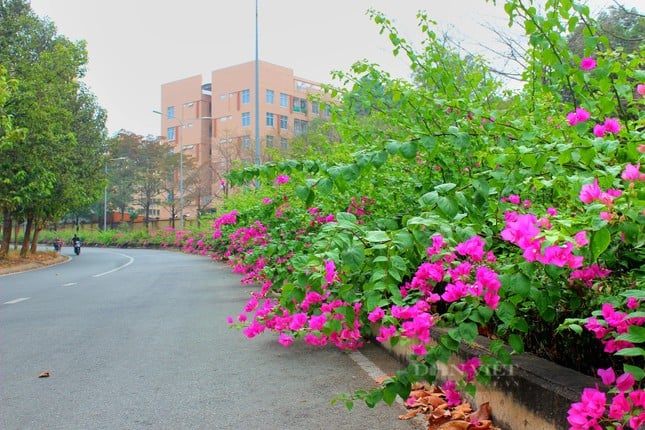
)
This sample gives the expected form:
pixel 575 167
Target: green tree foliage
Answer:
pixel 149 168
pixel 55 168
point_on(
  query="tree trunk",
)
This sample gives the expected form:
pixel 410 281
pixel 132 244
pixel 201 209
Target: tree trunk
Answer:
pixel 6 233
pixel 38 226
pixel 26 239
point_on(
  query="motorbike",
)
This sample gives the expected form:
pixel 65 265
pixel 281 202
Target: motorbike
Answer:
pixel 58 244
pixel 77 247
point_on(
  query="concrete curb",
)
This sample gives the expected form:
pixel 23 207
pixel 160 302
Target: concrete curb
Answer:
pixel 533 393
pixel 27 267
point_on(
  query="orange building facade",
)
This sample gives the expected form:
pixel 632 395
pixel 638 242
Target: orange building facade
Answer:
pixel 213 123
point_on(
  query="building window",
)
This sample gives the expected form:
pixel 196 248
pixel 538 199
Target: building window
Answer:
pixel 269 141
pixel 315 108
pixel 170 112
pixel 246 142
pixel 327 111
pixel 284 143
pixel 299 105
pixel 299 126
pixel 284 122
pixel 246 97
pixel 246 119
pixel 270 96
pixel 171 133
pixel 284 100
pixel 269 119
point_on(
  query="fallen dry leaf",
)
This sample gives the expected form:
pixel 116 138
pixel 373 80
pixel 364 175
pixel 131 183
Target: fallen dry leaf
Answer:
pixel 482 413
pixel 44 374
pixel 454 425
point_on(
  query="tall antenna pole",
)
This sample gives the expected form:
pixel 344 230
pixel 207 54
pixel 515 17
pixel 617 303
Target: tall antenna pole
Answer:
pixel 257 90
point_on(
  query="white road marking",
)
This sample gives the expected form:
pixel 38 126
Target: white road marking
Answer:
pixel 131 260
pixel 13 302
pixel 70 284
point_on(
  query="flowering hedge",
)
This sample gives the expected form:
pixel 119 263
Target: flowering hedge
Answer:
pixel 518 216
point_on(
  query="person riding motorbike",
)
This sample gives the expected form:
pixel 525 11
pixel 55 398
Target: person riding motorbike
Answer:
pixel 76 242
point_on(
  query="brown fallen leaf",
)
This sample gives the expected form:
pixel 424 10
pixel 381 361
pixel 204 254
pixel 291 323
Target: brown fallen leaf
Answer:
pixel 482 413
pixel 44 374
pixel 413 413
pixel 454 425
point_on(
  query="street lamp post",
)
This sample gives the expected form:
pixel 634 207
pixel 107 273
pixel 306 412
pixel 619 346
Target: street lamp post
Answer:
pixel 105 195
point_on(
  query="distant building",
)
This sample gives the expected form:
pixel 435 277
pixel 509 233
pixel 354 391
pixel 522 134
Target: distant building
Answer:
pixel 214 122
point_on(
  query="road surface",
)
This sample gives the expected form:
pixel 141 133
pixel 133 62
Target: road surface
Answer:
pixel 138 339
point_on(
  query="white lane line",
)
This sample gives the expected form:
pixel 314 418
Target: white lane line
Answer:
pixel 13 302
pixel 131 260
pixel 70 284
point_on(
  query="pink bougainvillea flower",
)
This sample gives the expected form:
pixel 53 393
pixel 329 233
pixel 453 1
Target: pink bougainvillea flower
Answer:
pixel 586 413
pixel 330 271
pixel 607 376
pixel 587 63
pixel 285 340
pixel 281 179
pixel 632 303
pixel 640 89
pixel 632 173
pixel 625 382
pixel 578 116
pixel 376 315
pixel 590 192
pixel 452 395
pixel 581 238
pixel 469 367
pixel 599 130
pixel 619 406
pixel 612 125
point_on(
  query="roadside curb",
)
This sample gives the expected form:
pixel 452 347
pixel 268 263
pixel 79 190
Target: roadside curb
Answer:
pixel 21 268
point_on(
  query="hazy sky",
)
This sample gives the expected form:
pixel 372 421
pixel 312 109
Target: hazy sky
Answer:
pixel 136 45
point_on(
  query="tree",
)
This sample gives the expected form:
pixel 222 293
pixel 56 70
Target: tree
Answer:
pixel 151 164
pixel 42 171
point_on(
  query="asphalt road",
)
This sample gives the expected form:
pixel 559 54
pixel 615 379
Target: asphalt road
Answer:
pixel 138 339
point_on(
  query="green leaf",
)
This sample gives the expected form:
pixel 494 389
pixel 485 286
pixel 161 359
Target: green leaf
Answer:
pixel 637 372
pixel 442 188
pixel 631 352
pixel 515 341
pixel 599 242
pixel 354 257
pixel 325 186
pixel 409 150
pixel 636 334
pixel 468 331
pixel 377 236
pixel 304 193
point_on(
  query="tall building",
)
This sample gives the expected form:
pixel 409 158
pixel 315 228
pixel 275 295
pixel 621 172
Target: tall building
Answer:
pixel 214 123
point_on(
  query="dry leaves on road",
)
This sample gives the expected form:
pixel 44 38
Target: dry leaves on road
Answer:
pixel 44 374
pixel 430 401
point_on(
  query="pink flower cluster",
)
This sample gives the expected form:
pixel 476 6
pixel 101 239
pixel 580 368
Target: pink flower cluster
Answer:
pixel 612 322
pixel 360 208
pixel 227 218
pixel 524 231
pixel 592 192
pixel 587 63
pixel 577 116
pixel 626 405
pixel 281 180
pixel 632 173
pixel 611 125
